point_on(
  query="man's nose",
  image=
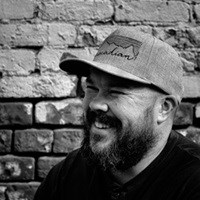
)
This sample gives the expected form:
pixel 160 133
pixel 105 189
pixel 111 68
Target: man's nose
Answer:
pixel 98 103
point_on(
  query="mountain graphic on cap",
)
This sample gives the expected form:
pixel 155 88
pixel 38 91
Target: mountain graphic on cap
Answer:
pixel 120 41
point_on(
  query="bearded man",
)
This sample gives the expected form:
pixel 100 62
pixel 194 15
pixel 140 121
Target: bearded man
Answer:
pixel 129 151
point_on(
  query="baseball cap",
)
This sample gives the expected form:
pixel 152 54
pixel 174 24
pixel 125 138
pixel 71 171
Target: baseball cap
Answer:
pixel 134 55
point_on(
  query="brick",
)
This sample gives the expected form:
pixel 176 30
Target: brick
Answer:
pixel 23 34
pixel 194 35
pixel 16 9
pixel 33 140
pixel 5 140
pixel 197 11
pixel 197 110
pixel 184 114
pixel 61 34
pixel 67 140
pixel 14 168
pixel 167 34
pixel 67 111
pixel 17 62
pixel 194 1
pixel 95 35
pixel 182 36
pixel 15 113
pixel 187 65
pixel 45 85
pixel 198 61
pixel 188 55
pixel 185 39
pixel 192 133
pixel 49 58
pixel 157 11
pixel 189 61
pixel 45 164
pixel 192 86
pixel 18 191
pixel 77 10
pixel 2 192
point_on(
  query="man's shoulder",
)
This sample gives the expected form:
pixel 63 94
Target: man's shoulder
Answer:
pixel 55 179
pixel 188 147
pixel 66 164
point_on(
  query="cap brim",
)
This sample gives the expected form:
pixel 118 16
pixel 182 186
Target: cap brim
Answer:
pixel 81 67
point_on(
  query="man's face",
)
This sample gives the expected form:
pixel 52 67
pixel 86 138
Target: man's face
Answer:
pixel 119 121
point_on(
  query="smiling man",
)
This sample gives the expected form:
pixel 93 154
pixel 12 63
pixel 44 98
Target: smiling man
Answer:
pixel 129 150
pixel 118 121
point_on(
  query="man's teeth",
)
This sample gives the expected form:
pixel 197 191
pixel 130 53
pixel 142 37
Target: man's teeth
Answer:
pixel 100 125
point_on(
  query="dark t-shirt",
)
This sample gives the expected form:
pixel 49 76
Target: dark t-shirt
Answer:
pixel 173 175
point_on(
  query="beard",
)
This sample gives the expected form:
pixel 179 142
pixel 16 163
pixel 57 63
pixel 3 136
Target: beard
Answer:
pixel 131 142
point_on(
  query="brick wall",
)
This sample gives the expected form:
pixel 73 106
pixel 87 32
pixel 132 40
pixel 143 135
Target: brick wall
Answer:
pixel 40 106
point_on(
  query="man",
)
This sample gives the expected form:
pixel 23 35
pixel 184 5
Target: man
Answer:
pixel 129 151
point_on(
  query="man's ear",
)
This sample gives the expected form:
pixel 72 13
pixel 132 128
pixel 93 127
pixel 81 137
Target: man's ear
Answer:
pixel 167 107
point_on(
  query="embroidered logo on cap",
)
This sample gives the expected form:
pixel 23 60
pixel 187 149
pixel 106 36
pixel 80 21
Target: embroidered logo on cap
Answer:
pixel 120 46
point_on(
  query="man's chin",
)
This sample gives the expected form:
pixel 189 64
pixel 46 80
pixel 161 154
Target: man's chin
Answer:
pixel 101 145
pixel 101 139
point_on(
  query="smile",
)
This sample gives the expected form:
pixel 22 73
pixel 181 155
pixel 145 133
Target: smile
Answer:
pixel 101 125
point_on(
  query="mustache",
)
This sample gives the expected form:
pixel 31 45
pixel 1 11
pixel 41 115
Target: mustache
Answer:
pixel 100 116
